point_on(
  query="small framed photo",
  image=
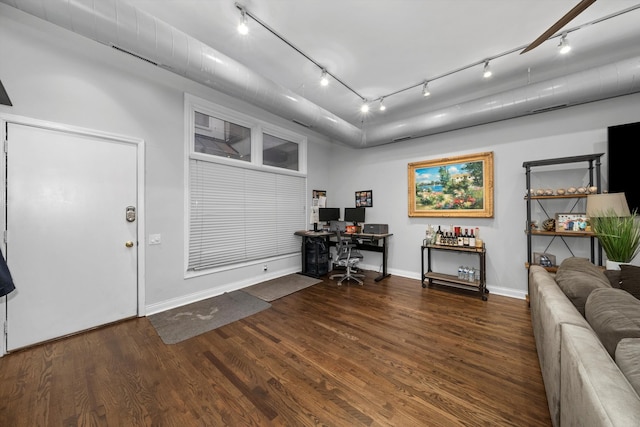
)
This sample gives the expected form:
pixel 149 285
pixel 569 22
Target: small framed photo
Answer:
pixel 364 199
pixel 572 222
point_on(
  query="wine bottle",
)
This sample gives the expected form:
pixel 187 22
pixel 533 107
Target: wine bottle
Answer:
pixel 459 237
pixel 439 236
pixel 472 239
pixel 465 237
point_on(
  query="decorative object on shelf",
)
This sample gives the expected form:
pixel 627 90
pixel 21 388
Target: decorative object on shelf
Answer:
pixel 615 226
pixel 571 190
pixel 539 192
pixel 544 259
pixel 459 186
pixel 560 191
pixel 548 192
pixel 592 190
pixel 364 199
pixel 549 224
pixel 568 222
pixel 581 190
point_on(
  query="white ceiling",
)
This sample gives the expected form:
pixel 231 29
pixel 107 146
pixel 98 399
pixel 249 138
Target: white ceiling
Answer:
pixel 378 47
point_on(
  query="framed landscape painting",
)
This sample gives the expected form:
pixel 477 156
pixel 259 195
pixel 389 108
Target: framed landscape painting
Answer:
pixel 459 186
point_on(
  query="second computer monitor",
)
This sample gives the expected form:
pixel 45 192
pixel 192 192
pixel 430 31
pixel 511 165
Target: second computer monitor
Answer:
pixel 354 215
pixel 328 214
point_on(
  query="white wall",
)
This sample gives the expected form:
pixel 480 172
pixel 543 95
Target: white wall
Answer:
pixel 52 74
pixel 569 132
pixel 55 75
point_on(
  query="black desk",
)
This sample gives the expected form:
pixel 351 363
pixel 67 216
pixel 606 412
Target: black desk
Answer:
pixel 370 242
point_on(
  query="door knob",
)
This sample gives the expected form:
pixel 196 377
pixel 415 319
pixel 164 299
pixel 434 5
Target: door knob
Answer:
pixel 129 244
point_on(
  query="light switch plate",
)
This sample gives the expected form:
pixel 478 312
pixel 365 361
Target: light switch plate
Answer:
pixel 154 239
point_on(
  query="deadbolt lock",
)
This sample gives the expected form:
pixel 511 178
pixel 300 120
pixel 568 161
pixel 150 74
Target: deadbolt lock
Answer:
pixel 131 213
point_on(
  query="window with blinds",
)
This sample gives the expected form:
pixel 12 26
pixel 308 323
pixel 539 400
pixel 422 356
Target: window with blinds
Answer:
pixel 239 214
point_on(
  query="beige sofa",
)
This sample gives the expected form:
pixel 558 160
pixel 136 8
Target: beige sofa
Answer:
pixel 587 336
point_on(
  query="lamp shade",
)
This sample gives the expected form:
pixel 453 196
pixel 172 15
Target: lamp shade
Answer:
pixel 608 204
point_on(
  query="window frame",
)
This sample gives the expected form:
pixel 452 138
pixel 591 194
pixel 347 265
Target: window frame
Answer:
pixel 258 128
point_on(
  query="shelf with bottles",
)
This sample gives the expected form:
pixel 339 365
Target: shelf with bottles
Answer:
pixel 473 279
pixel 459 237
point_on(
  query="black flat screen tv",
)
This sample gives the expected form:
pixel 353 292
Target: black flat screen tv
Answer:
pixel 621 162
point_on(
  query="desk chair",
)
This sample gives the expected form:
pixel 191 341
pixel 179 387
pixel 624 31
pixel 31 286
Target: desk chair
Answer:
pixel 347 255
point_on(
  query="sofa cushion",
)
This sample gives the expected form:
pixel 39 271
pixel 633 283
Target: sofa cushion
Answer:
pixel 577 277
pixel 613 314
pixel 628 360
pixel 630 279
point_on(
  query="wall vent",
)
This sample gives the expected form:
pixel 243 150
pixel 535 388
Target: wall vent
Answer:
pixel 134 54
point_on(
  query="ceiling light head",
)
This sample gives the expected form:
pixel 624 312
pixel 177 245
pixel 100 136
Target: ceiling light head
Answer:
pixel 564 47
pixel 365 106
pixel 324 79
pixel 487 70
pixel 242 26
pixel 425 89
pixel 382 106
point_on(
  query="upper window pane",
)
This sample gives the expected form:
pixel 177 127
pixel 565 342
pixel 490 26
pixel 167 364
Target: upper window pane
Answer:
pixel 279 152
pixel 219 137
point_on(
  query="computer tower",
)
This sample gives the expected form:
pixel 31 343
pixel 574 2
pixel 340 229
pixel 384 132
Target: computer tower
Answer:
pixel 316 256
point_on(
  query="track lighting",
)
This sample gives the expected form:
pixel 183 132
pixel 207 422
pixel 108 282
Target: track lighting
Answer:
pixel 487 71
pixel 564 47
pixel 365 107
pixel 242 26
pixel 425 89
pixel 382 106
pixel 324 80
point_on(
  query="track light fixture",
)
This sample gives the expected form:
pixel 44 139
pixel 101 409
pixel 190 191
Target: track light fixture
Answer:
pixel 242 26
pixel 487 70
pixel 382 106
pixel 564 47
pixel 365 107
pixel 425 89
pixel 324 79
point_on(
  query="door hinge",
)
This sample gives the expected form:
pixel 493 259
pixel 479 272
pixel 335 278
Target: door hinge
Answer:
pixel 5 146
pixel 5 236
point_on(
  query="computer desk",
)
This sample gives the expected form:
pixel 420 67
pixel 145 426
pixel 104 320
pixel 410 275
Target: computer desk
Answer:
pixel 364 241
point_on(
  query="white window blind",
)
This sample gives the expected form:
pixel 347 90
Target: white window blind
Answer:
pixel 239 214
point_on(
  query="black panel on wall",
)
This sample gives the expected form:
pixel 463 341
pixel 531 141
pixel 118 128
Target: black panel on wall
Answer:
pixel 622 162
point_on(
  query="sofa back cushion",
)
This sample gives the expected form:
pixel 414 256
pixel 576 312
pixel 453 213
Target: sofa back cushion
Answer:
pixel 613 314
pixel 578 277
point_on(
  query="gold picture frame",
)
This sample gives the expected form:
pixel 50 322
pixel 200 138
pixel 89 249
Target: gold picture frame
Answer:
pixel 459 186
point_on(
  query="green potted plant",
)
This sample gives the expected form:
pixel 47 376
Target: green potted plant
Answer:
pixel 616 228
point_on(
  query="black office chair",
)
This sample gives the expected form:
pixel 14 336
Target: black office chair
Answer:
pixel 346 255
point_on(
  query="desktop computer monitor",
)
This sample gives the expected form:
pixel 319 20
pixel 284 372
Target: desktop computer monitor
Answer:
pixel 328 214
pixel 354 215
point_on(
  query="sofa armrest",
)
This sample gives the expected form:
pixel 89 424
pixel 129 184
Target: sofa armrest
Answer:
pixel 594 392
pixel 550 309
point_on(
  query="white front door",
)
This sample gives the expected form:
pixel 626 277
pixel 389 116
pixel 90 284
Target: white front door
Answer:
pixel 70 249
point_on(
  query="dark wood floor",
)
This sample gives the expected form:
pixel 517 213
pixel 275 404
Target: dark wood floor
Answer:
pixel 385 354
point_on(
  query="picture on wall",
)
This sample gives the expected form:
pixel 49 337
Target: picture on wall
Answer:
pixel 364 199
pixel 459 186
pixel 319 198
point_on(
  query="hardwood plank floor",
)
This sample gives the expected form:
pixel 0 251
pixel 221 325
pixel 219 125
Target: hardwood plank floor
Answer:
pixel 385 354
